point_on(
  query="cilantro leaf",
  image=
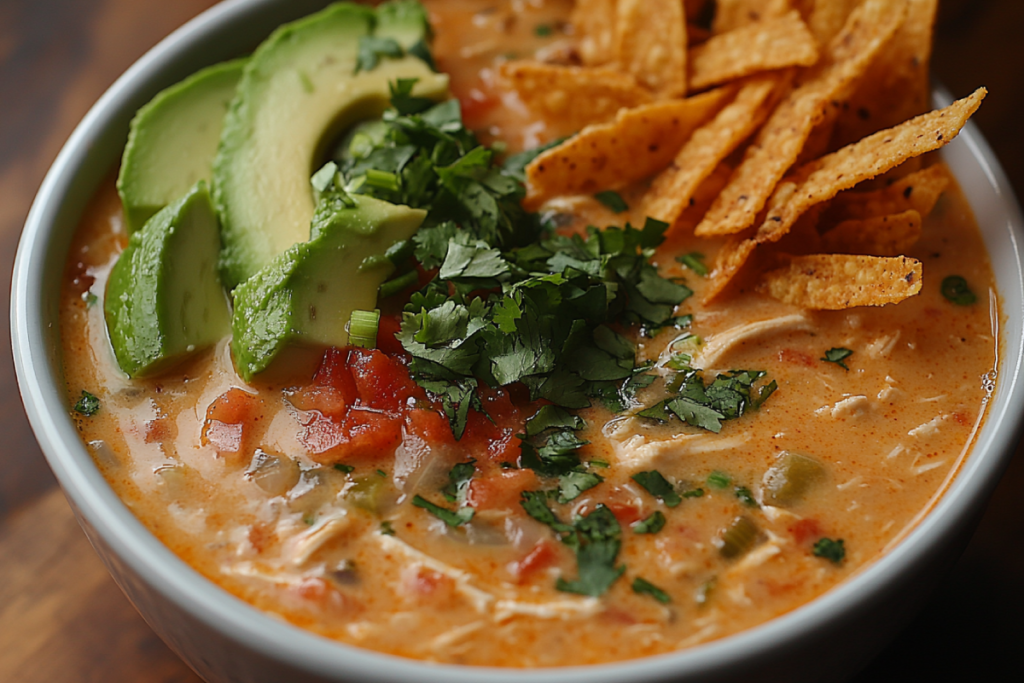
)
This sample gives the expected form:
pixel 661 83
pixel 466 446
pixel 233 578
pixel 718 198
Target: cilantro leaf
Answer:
pixel 453 519
pixel 458 482
pixel 535 505
pixel 613 200
pixel 552 417
pixel 652 524
pixel 371 49
pixel 832 550
pixel 599 539
pixel 644 587
pixel 572 484
pixel 87 404
pixel 659 487
pixel 837 356
pixel 746 496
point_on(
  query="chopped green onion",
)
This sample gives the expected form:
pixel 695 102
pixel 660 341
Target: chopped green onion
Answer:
pixel 613 200
pixel 738 538
pixel 746 497
pixel 382 180
pixel 347 469
pixel 543 30
pixel 718 480
pixel 694 261
pixel 398 284
pixel 694 493
pixel 386 529
pixel 956 291
pixel 362 328
pixel 644 587
pixel 651 525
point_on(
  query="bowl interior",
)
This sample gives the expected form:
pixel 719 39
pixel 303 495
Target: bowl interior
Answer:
pixel 233 28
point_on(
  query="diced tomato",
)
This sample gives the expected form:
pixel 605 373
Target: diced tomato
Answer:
pixel 334 372
pixel 476 103
pixel 158 430
pixel 321 435
pixel 382 382
pixel 805 530
pixel 495 437
pixel 319 591
pixel 230 420
pixel 420 584
pixel 364 436
pixel 501 490
pixel 325 399
pixel 794 357
pixel 541 556
pixel 389 326
pixel 429 425
pixel 624 505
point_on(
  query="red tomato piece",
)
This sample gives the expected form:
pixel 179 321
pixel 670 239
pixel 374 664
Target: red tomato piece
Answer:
pixel 334 372
pixel 389 326
pixel 501 490
pixel 794 357
pixel 805 530
pixel 429 425
pixel 230 420
pixel 495 438
pixel 325 399
pixel 382 382
pixel 541 556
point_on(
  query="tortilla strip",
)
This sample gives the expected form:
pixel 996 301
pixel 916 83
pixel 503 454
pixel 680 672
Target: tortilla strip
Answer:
pixel 638 144
pixel 896 86
pixel 760 46
pixel 673 189
pixel 834 282
pixel 821 180
pixel 732 14
pixel 827 18
pixel 651 44
pixel 879 236
pixel 555 92
pixel 779 143
pixel 594 22
pixel 918 192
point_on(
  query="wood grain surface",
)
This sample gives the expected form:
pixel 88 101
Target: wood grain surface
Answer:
pixel 62 619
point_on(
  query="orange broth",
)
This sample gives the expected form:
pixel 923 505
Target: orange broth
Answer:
pixel 345 553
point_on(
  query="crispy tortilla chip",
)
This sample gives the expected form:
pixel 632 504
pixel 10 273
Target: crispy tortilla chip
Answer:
pixel 638 144
pixel 732 14
pixel 651 44
pixel 879 236
pixel 556 92
pixel 896 86
pixel 673 189
pixel 918 192
pixel 833 282
pixel 779 143
pixel 728 263
pixel 594 22
pixel 760 46
pixel 821 180
pixel 827 18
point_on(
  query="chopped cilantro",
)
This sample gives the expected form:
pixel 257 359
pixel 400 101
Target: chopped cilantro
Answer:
pixel 659 487
pixel 535 505
pixel 613 200
pixel 718 480
pixel 371 49
pixel 552 417
pixel 87 405
pixel 644 587
pixel 830 550
pixel 347 469
pixel 694 493
pixel 746 496
pixel 382 473
pixel 694 261
pixel 598 541
pixel 543 30
pixel 957 291
pixel 837 356
pixel 555 455
pixel 458 482
pixel 386 529
pixel 460 516
pixel 572 484
pixel 652 525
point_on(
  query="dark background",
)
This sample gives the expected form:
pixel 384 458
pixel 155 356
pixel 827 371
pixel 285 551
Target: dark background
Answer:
pixel 62 619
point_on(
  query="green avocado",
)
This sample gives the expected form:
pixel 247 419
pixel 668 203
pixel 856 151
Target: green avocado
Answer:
pixel 172 141
pixel 299 91
pixel 307 294
pixel 164 297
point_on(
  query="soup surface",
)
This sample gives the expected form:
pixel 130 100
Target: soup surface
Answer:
pixel 327 498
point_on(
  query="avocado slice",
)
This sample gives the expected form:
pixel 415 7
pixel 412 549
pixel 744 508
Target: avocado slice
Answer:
pixel 307 294
pixel 299 90
pixel 172 141
pixel 164 297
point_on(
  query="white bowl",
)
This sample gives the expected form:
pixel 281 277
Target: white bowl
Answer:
pixel 225 639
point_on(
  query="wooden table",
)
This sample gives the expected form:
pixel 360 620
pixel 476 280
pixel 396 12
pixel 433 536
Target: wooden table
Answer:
pixel 63 620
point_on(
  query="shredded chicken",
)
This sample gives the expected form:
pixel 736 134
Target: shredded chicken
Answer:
pixel 552 609
pixel 929 428
pixel 719 345
pixel 299 548
pixel 480 599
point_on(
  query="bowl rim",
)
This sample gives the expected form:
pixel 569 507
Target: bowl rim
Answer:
pixel 42 389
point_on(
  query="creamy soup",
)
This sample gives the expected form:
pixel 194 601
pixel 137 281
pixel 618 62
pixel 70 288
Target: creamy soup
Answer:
pixel 339 500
